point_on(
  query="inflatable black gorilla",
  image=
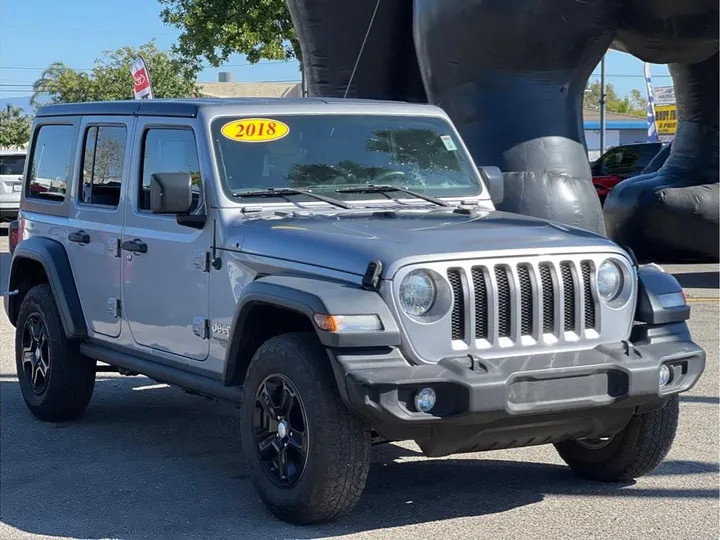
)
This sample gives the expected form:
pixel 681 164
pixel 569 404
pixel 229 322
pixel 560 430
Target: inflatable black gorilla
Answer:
pixel 511 74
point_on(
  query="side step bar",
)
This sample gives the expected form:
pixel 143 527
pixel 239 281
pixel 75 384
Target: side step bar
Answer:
pixel 169 375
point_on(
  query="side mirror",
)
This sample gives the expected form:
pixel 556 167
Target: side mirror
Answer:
pixel 493 178
pixel 170 193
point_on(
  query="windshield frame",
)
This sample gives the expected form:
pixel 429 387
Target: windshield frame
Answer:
pixel 234 198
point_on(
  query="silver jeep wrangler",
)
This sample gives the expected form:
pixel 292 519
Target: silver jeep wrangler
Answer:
pixel 338 269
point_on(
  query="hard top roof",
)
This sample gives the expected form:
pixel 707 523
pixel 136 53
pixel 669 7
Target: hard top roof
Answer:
pixel 190 108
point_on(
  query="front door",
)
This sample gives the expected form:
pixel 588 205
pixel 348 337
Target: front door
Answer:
pixel 165 281
pixel 96 219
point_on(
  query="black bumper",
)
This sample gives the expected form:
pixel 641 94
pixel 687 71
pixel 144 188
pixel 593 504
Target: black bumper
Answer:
pixel 495 402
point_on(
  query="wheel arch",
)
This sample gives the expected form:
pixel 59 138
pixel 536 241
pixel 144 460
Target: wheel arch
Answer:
pixel 280 304
pixel 39 260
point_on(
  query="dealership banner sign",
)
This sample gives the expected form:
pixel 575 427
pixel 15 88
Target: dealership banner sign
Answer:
pixel 142 88
pixel 665 112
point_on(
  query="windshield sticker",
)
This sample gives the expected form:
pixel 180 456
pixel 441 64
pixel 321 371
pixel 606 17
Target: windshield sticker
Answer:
pixel 449 144
pixel 252 130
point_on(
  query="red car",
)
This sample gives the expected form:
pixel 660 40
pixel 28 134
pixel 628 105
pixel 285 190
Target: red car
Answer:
pixel 621 162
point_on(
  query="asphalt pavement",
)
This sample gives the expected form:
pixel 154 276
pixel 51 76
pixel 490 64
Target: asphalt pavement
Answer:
pixel 149 462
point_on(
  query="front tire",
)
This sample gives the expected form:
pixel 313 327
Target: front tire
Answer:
pixel 291 408
pixel 634 452
pixel 56 381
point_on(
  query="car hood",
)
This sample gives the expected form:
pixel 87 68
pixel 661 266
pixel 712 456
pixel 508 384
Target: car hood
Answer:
pixel 348 241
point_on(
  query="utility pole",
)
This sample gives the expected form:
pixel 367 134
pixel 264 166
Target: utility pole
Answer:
pixel 602 105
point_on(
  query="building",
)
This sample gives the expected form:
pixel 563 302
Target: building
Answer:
pixel 619 128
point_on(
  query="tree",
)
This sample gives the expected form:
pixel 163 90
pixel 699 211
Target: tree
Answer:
pixel 14 127
pixel 111 79
pixel 634 104
pixel 215 29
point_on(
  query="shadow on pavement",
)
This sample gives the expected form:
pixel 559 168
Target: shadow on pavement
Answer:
pixel 158 463
pixel 698 280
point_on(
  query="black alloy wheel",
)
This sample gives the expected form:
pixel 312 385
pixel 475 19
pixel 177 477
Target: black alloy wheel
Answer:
pixel 280 428
pixel 36 354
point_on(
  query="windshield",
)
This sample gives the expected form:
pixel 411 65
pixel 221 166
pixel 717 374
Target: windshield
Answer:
pixel 12 164
pixel 326 153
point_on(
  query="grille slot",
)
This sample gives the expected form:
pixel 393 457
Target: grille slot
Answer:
pixel 458 312
pixel 548 299
pixel 481 303
pixel 568 296
pixel 526 301
pixel 588 295
pixel 504 302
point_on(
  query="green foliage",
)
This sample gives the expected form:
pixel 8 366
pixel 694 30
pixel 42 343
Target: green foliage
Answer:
pixel 111 79
pixel 14 127
pixel 634 104
pixel 215 29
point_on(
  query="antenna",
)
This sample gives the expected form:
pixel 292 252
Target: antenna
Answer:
pixel 362 48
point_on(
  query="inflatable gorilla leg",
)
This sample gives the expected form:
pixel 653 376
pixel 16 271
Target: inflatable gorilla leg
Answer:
pixel 673 214
pixel 331 35
pixel 511 74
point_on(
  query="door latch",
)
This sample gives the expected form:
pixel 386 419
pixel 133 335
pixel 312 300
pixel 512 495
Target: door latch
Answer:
pixel 114 307
pixel 201 260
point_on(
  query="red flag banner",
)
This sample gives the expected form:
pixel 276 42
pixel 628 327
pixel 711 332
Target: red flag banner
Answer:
pixel 142 88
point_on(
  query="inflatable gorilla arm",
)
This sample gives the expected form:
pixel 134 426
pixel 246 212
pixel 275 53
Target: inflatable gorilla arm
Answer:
pixel 511 74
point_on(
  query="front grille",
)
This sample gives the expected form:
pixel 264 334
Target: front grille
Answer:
pixel 522 299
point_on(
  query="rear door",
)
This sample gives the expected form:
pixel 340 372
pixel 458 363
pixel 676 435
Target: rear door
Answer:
pixel 165 283
pixel 96 219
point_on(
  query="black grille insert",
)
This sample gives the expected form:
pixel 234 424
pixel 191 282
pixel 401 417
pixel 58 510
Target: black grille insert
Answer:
pixel 504 302
pixel 588 295
pixel 526 301
pixel 548 299
pixel 481 303
pixel 458 311
pixel 568 296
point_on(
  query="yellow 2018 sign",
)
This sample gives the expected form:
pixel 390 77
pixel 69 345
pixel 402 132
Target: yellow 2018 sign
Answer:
pixel 255 130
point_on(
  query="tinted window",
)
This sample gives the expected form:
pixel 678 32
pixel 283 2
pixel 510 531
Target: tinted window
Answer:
pixel 170 151
pixel 51 162
pixel 12 165
pixel 629 159
pixel 330 152
pixel 103 161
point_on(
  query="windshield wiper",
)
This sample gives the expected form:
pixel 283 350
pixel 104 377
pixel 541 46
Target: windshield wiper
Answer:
pixel 284 192
pixel 370 188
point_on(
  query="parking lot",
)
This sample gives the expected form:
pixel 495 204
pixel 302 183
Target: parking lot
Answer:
pixel 153 462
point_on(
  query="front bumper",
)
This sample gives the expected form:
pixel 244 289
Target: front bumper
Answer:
pixel 520 400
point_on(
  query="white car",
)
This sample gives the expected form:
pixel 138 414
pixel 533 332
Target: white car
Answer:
pixel 12 163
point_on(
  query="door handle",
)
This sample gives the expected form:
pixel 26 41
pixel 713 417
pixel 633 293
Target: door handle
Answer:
pixel 81 237
pixel 136 246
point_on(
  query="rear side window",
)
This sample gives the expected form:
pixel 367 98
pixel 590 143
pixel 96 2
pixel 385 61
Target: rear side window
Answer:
pixel 103 160
pixel 170 150
pixel 12 164
pixel 51 162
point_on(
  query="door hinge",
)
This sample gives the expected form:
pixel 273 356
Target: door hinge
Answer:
pixel 118 249
pixel 201 260
pixel 201 327
pixel 114 307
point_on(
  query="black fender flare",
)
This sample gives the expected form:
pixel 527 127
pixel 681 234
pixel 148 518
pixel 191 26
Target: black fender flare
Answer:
pixel 51 255
pixel 308 296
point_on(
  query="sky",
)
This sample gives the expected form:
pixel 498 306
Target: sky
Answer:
pixel 36 33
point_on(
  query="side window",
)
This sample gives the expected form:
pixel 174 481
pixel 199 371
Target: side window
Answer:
pixel 103 161
pixel 170 150
pixel 51 162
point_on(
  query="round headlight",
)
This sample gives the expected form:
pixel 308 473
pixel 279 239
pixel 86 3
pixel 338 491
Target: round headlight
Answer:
pixel 417 293
pixel 609 281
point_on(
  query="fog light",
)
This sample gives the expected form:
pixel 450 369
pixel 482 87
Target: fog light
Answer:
pixel 425 399
pixel 664 376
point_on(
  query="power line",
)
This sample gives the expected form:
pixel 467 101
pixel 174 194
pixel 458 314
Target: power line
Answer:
pixel 266 62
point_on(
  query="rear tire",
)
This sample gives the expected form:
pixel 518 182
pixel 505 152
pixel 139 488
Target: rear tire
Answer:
pixel 56 381
pixel 634 452
pixel 326 479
